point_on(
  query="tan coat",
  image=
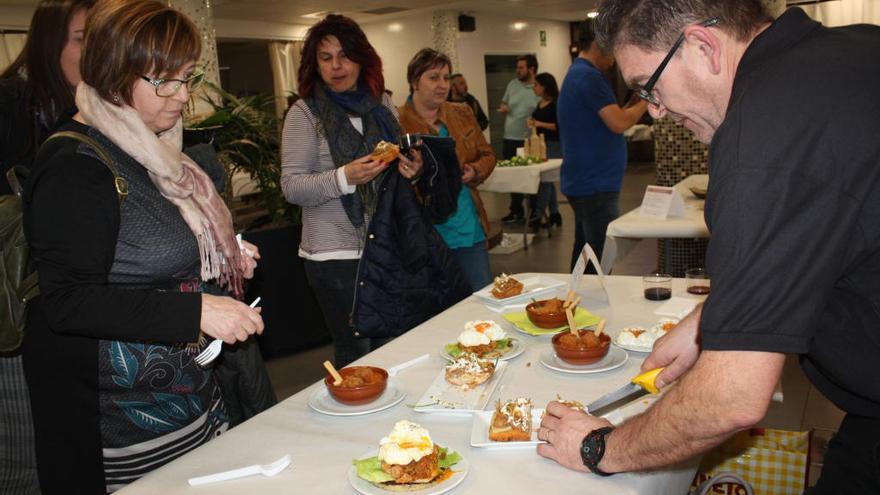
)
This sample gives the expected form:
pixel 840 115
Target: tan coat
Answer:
pixel 470 145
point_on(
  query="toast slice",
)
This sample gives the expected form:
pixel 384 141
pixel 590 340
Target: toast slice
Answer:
pixel 512 421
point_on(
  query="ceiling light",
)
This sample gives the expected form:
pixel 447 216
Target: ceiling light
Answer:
pixel 519 26
pixel 316 15
pixel 592 14
pixel 395 27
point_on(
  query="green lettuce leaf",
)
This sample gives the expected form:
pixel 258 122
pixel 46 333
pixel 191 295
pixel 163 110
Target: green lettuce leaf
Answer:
pixel 447 460
pixel 502 344
pixel 370 469
pixel 453 350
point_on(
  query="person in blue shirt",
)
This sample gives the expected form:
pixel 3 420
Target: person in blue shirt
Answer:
pixel 591 126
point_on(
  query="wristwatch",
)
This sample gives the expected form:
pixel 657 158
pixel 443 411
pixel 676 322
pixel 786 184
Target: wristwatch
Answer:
pixel 593 448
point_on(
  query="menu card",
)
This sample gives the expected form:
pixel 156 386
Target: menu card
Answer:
pixel 577 274
pixel 661 202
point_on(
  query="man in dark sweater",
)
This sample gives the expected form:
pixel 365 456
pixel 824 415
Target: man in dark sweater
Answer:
pixel 789 109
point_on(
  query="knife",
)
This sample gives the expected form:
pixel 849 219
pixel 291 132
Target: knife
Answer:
pixel 639 386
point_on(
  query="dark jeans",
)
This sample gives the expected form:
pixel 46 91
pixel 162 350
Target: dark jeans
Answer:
pixel 333 284
pixel 852 463
pixel 592 214
pixel 546 199
pixel 508 151
pixel 474 263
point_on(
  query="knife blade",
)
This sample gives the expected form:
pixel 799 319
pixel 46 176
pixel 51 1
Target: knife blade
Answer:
pixel 639 386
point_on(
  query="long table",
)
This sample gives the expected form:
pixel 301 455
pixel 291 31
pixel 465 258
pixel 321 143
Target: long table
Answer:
pixel 625 232
pixel 322 447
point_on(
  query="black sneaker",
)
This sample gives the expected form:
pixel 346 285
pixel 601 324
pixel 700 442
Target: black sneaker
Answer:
pixel 556 219
pixel 513 218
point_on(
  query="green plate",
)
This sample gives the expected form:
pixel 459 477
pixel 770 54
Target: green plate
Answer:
pixel 582 318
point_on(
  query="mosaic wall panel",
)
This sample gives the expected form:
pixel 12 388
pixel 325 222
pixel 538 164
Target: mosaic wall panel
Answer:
pixel 201 12
pixel 444 25
pixel 678 155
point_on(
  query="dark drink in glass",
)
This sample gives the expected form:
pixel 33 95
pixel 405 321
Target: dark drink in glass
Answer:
pixel 658 293
pixel 700 290
pixel 697 281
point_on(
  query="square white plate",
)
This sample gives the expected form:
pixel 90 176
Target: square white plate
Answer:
pixel 533 287
pixel 443 396
pixel 480 432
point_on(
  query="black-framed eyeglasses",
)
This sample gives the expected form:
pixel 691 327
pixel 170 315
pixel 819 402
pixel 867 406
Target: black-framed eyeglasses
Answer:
pixel 167 88
pixel 646 92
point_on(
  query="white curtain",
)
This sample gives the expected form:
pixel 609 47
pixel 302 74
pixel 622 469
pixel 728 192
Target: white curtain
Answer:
pixel 845 12
pixel 11 45
pixel 285 57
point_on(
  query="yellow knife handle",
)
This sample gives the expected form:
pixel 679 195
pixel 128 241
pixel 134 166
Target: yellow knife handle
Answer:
pixel 646 380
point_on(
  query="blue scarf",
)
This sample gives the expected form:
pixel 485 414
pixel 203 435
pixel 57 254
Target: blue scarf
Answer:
pixel 334 112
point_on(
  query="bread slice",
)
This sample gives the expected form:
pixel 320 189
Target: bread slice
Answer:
pixel 506 286
pixel 468 370
pixel 512 421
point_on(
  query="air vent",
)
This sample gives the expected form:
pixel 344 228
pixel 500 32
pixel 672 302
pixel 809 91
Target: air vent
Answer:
pixel 385 10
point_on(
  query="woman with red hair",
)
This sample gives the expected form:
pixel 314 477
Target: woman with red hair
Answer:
pixel 370 281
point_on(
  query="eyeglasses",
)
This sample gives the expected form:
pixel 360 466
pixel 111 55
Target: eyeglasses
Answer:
pixel 647 91
pixel 167 88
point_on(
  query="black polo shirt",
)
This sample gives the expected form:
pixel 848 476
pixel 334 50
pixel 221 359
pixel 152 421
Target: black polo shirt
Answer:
pixel 794 207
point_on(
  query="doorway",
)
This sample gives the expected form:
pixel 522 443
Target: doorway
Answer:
pixel 500 69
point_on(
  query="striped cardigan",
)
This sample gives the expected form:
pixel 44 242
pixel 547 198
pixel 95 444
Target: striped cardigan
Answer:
pixel 308 179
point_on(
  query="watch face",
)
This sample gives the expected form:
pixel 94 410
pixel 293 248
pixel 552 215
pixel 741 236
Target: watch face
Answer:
pixel 593 448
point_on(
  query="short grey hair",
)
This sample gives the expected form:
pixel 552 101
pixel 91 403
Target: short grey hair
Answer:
pixel 656 24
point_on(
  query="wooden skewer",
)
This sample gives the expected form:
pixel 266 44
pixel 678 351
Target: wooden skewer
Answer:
pixel 337 378
pixel 599 328
pixel 574 303
pixel 571 326
pixel 568 298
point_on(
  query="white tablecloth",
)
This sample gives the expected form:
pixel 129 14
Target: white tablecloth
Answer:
pixel 524 179
pixel 625 232
pixel 322 447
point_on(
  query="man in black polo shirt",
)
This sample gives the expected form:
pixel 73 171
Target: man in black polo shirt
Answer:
pixel 789 109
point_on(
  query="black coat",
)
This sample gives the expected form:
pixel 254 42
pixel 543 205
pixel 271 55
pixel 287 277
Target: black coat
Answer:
pixel 407 273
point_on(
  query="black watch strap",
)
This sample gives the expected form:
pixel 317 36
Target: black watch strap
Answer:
pixel 593 449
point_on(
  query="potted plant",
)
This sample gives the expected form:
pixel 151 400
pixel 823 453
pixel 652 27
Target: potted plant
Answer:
pixel 245 132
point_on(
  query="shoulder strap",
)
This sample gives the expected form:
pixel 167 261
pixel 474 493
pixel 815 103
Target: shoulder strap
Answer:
pixel 118 181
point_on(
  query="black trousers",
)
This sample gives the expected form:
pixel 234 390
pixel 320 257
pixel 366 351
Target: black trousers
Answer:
pixel 333 284
pixel 852 463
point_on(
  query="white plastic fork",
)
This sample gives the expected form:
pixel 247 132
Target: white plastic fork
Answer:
pixel 394 370
pixel 213 350
pixel 265 469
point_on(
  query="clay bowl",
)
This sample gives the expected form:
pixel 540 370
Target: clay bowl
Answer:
pixel 363 394
pixel 552 319
pixel 580 356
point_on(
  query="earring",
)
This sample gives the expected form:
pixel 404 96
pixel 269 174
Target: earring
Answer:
pixel 116 99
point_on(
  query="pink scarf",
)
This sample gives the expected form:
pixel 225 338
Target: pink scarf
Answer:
pixel 178 178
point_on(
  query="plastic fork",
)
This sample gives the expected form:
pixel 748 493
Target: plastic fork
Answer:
pixel 264 469
pixel 213 350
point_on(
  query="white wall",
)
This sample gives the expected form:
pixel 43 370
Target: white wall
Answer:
pixel 845 12
pixel 396 42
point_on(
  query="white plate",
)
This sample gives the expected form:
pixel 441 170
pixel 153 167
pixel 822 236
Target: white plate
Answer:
pixel 516 348
pixel 364 487
pixel 532 288
pixel 321 401
pixel 443 396
pixel 634 348
pixel 480 432
pixel 614 359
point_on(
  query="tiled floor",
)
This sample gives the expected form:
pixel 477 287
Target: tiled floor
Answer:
pixel 803 407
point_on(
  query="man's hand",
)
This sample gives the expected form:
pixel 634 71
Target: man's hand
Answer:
pixel 249 256
pixel 564 429
pixel 504 108
pixel 363 170
pixel 677 351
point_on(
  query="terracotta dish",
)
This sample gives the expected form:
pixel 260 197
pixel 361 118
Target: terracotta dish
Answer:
pixel 360 385
pixel 582 349
pixel 547 313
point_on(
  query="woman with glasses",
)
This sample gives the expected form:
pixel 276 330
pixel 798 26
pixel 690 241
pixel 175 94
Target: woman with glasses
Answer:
pixel 124 231
pixel 374 261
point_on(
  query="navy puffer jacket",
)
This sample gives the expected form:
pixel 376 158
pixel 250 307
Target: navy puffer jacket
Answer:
pixel 407 273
